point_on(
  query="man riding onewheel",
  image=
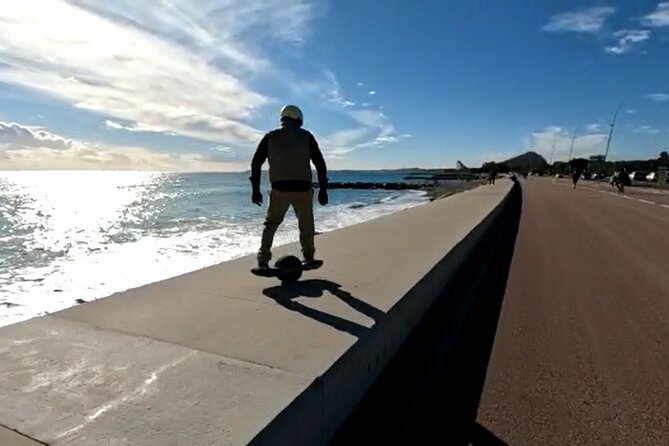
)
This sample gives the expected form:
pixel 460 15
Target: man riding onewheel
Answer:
pixel 289 150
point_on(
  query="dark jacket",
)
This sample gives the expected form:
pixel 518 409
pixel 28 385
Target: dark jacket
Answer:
pixel 290 151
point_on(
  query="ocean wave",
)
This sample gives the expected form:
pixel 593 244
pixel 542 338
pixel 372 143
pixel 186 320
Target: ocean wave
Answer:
pixel 96 261
pixel 360 205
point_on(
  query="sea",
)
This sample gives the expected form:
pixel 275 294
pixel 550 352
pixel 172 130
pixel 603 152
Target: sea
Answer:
pixel 73 236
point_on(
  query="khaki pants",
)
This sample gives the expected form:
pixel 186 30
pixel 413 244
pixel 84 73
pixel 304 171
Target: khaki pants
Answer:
pixel 279 202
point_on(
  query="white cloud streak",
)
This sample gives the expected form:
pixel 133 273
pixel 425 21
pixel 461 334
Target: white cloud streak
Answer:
pixel 344 138
pixel 594 128
pixel 161 66
pixel 374 130
pixel 646 130
pixel 584 145
pixel 114 125
pixel 334 95
pixel 658 97
pixel 369 128
pixel 25 148
pixel 585 21
pixel 627 38
pixel 658 18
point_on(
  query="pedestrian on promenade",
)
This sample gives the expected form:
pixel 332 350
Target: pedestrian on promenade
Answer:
pixel 492 175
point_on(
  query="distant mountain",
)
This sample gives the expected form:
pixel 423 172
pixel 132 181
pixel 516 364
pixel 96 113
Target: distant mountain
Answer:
pixel 531 160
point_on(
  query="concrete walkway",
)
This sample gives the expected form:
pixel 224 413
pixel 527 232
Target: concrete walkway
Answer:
pixel 11 438
pixel 215 356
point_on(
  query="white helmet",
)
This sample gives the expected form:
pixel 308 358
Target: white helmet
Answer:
pixel 292 112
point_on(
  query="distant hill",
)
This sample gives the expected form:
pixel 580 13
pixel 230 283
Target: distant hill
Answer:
pixel 530 160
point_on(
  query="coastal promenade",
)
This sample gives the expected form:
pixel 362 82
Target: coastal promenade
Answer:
pixel 581 354
pixel 219 356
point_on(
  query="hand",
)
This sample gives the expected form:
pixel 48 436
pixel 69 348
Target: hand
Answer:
pixel 256 197
pixel 322 197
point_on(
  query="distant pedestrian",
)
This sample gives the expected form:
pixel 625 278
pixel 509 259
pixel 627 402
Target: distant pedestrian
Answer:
pixel 623 180
pixel 491 176
pixel 574 177
pixel 614 180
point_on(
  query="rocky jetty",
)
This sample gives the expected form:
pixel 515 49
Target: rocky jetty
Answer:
pixel 379 186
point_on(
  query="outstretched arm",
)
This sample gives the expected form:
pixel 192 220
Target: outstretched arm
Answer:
pixel 319 163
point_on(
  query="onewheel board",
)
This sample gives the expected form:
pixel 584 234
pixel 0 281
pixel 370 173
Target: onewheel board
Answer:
pixel 287 269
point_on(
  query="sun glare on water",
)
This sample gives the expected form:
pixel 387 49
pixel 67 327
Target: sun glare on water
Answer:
pixel 59 228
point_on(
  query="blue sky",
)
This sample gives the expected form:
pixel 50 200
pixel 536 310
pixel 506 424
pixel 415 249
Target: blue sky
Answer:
pixel 193 84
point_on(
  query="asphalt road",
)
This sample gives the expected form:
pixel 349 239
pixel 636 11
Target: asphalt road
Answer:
pixel 647 195
pixel 581 354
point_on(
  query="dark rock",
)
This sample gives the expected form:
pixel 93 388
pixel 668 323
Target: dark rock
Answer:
pixel 379 186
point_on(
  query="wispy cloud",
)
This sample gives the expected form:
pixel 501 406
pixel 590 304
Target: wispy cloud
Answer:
pixel 225 155
pixel 627 38
pixel 373 129
pixel 159 66
pixel 372 92
pixel 345 138
pixel 585 21
pixel 379 123
pixel 658 97
pixel 113 124
pixel 585 145
pixel 630 111
pixel 367 128
pixel 135 127
pixel 15 136
pixel 333 92
pixel 646 129
pixel 25 147
pixel 659 17
pixel 594 128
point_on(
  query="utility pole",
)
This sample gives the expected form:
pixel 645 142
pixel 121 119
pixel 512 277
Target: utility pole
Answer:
pixel 571 150
pixel 613 124
pixel 552 151
pixel 573 139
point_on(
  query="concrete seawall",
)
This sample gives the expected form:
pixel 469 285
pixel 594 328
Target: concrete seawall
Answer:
pixel 219 356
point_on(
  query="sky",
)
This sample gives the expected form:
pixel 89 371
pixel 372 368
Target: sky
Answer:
pixel 192 85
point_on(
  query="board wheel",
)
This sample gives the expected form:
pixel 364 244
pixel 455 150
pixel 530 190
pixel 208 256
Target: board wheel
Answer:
pixel 288 263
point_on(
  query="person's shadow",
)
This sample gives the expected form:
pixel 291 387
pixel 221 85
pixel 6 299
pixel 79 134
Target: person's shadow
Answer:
pixel 285 296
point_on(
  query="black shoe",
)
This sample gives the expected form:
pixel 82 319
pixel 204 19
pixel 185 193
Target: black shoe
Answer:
pixel 312 263
pixel 262 270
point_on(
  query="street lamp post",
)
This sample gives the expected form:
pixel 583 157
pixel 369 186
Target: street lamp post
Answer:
pixel 571 149
pixel 613 124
